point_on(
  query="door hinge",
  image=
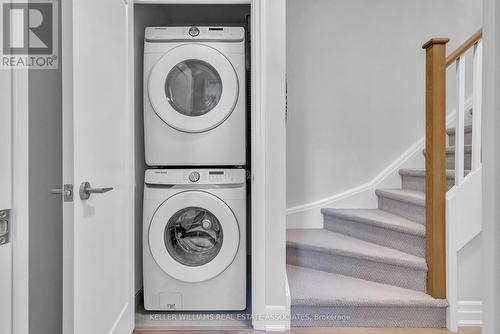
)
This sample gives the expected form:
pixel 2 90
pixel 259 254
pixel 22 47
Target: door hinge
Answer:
pixel 286 99
pixel 4 226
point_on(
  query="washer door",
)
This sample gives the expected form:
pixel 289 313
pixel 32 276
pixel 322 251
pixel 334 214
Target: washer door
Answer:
pixel 194 236
pixel 193 88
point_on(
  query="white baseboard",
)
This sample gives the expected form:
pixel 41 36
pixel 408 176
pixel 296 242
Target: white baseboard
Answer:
pixel 470 313
pixel 363 196
pixel 276 319
pixel 309 215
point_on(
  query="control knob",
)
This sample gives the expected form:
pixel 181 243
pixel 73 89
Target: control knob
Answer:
pixel 194 177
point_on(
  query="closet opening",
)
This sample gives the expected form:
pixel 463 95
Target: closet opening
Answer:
pixel 192 103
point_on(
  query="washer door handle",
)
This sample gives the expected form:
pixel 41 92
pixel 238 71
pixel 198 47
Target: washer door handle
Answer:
pixel 86 190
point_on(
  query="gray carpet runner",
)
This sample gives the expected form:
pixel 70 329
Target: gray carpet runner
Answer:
pixel 366 267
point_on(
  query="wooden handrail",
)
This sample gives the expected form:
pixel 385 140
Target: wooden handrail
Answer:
pixel 435 166
pixel 464 47
pixel 435 155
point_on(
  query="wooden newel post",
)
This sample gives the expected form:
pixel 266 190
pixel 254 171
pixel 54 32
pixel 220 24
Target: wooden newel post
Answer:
pixel 435 165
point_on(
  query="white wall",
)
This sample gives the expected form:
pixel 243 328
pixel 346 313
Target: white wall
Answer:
pixel 45 209
pixel 470 265
pixel 6 197
pixel 491 165
pixel 356 85
pixel 270 293
pixel 5 140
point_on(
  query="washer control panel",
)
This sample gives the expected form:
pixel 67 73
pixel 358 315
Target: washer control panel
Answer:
pixel 194 31
pixel 195 176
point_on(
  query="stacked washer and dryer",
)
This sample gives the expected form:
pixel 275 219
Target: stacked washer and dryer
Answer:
pixel 194 226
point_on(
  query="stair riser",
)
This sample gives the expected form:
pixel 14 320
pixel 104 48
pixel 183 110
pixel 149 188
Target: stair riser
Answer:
pixel 417 183
pixel 409 211
pixel 404 242
pixel 359 268
pixel 375 316
pixel 467 139
pixel 450 161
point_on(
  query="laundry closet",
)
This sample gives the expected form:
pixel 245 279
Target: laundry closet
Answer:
pixel 192 91
pixel 174 116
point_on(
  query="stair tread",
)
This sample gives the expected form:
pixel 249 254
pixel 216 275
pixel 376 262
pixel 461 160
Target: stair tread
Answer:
pixel 451 149
pixel 309 287
pixel 339 244
pixel 420 172
pixel 404 195
pixel 451 131
pixel 378 218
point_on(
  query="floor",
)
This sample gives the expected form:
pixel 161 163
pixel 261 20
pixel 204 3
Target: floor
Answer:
pixel 169 322
pixel 230 322
pixel 468 330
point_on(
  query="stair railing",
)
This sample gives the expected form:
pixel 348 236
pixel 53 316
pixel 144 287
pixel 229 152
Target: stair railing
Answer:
pixel 435 145
pixel 458 58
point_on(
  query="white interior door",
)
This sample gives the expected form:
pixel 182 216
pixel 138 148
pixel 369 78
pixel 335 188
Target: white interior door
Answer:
pixel 5 201
pixel 98 149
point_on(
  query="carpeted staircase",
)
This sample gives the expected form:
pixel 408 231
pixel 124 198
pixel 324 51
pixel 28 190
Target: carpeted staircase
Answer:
pixel 366 267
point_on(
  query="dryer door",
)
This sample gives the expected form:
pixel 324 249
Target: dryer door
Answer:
pixel 194 236
pixel 193 88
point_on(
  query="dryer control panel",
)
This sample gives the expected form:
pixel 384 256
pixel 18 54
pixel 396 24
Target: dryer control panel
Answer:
pixel 176 34
pixel 195 176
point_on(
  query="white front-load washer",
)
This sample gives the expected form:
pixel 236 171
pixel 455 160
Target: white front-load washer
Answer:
pixel 194 239
pixel 194 96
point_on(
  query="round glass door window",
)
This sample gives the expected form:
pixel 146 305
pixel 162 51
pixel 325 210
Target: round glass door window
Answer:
pixel 193 236
pixel 193 87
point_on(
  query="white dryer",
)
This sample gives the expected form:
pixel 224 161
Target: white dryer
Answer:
pixel 194 239
pixel 194 96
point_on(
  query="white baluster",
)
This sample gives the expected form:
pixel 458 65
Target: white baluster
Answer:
pixel 459 121
pixel 477 74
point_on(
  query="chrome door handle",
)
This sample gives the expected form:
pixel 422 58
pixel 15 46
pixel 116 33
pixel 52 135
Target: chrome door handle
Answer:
pixel 86 190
